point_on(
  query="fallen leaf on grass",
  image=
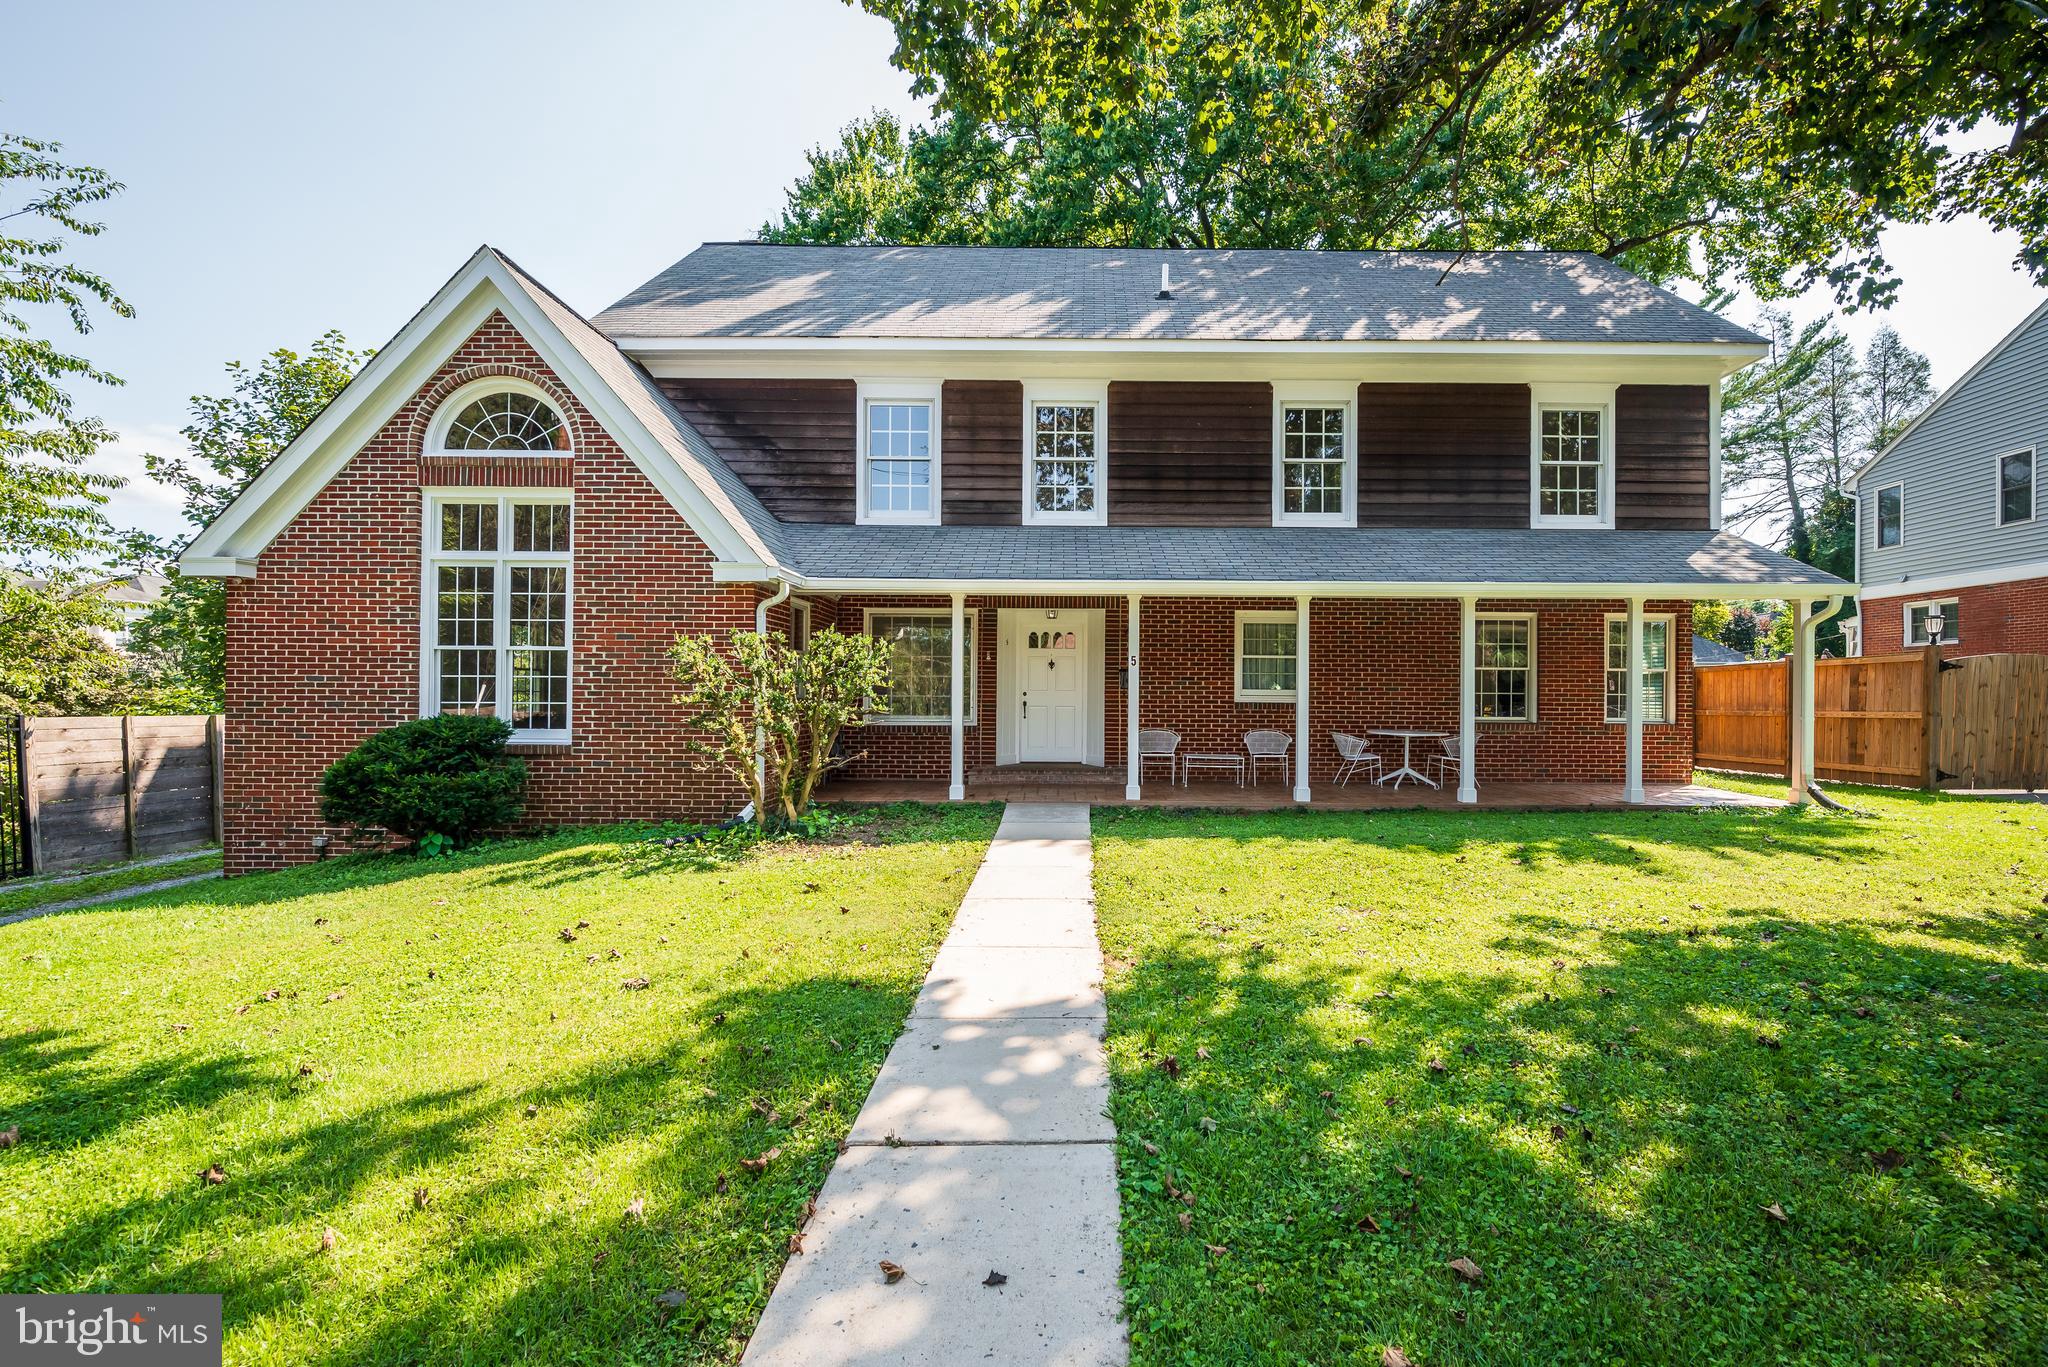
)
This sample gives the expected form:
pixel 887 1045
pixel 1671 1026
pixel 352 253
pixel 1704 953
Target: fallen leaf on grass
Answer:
pixel 337 996
pixel 1169 1066
pixel 633 985
pixel 892 1273
pixel 1768 1041
pixel 1216 1250
pixel 421 1197
pixel 994 1278
pixel 532 1109
pixel 213 1176
pixel 760 1164
pixel 1208 1126
pixel 1436 1065
pixel 1151 1149
pixel 1891 1160
pixel 329 1237
pixel 1186 1222
pixel 568 936
pixel 242 1010
pixel 671 1300
pixel 1368 1225
pixel 1557 1132
pixel 1394 1357
pixel 796 1244
pixel 1466 1268
pixel 583 925
pixel 1202 1051
pixel 636 1209
pixel 1777 1213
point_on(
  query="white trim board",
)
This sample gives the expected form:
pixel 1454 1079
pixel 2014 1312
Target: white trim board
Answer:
pixel 486 283
pixel 1946 583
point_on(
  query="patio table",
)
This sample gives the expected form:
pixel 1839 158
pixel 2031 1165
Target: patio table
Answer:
pixel 1214 760
pixel 1407 738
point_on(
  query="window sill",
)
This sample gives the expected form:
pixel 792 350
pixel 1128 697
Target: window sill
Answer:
pixel 538 744
pixel 1647 721
pixel 1505 721
pixel 1265 699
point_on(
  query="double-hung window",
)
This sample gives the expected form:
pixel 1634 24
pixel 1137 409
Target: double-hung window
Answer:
pixel 1891 514
pixel 2015 488
pixel 1504 667
pixel 1923 618
pixel 1315 463
pixel 1571 456
pixel 899 452
pixel 1267 656
pixel 1657 701
pixel 497 609
pixel 920 688
pixel 1066 453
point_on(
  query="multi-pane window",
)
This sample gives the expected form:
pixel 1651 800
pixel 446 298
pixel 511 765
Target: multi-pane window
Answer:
pixel 508 420
pixel 921 665
pixel 1504 668
pixel 1571 464
pixel 2016 487
pixel 498 620
pixel 1656 669
pixel 1267 656
pixel 1065 470
pixel 1923 618
pixel 1313 482
pixel 899 462
pixel 1891 514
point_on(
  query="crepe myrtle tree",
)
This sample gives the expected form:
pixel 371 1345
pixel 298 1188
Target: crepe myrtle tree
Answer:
pixel 769 714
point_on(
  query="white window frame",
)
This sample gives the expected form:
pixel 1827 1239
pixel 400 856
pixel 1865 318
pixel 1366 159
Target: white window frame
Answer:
pixel 1315 396
pixel 1530 619
pixel 1238 692
pixel 1670 622
pixel 967 654
pixel 1547 397
pixel 1877 516
pixel 869 392
pixel 502 561
pixel 1073 394
pixel 1948 637
pixel 1998 517
pixel 450 409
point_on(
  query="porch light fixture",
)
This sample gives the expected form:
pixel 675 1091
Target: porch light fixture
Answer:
pixel 1935 623
pixel 1052 614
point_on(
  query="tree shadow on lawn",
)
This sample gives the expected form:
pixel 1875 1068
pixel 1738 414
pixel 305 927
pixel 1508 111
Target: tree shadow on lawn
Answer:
pixel 524 1250
pixel 1601 1140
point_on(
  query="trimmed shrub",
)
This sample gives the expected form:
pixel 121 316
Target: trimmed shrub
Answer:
pixel 443 777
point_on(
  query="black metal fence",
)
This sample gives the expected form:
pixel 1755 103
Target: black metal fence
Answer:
pixel 14 841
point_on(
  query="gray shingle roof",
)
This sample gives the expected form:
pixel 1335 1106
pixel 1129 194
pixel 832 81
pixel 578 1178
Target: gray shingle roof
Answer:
pixel 1291 555
pixel 1706 652
pixel 739 290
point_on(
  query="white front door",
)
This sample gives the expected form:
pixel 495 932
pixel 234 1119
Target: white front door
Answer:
pixel 1052 691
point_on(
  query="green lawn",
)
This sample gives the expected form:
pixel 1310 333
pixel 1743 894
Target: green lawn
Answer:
pixel 1585 1051
pixel 411 1054
pixel 39 892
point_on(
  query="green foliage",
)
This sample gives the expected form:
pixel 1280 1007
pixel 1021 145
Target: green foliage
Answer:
pixel 447 778
pixel 1586 1051
pixel 1710 618
pixel 50 506
pixel 55 656
pixel 768 714
pixel 181 640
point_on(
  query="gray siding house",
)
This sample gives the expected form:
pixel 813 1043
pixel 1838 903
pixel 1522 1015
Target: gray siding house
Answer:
pixel 1950 525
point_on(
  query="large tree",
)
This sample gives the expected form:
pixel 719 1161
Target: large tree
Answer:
pixel 181 640
pixel 1762 140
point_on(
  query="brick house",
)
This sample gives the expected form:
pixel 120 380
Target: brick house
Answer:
pixel 1950 535
pixel 1086 492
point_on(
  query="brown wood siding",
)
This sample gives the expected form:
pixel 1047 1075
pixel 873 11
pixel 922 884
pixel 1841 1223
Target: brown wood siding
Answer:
pixel 981 443
pixel 792 441
pixel 1190 454
pixel 1443 455
pixel 1663 458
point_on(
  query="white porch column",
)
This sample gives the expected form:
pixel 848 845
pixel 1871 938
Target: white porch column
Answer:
pixel 1301 678
pixel 1799 765
pixel 1634 782
pixel 1134 776
pixel 1468 701
pixel 956 787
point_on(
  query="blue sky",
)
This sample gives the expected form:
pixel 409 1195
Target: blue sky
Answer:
pixel 292 168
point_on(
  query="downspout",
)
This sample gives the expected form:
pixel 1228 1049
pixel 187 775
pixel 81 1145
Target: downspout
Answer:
pixel 1809 624
pixel 780 596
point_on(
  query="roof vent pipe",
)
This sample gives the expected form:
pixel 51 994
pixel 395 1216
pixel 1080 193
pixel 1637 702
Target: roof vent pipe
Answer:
pixel 1165 290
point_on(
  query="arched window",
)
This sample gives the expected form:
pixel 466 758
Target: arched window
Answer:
pixel 498 416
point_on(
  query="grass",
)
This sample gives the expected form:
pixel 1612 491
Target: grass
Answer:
pixel 39 892
pixel 410 1054
pixel 1586 1052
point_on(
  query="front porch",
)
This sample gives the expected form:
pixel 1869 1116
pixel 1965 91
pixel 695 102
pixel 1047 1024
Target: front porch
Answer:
pixel 1105 788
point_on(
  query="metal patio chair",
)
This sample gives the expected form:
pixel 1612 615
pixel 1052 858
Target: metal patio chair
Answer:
pixel 1269 745
pixel 1159 744
pixel 1357 757
pixel 1448 762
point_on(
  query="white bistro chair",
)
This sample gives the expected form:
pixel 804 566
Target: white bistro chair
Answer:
pixel 1449 762
pixel 1269 746
pixel 1357 757
pixel 1159 745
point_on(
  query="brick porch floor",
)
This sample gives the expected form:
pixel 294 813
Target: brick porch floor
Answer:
pixel 1108 791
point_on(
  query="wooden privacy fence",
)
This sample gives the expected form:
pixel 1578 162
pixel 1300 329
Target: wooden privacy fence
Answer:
pixel 1913 720
pixel 96 789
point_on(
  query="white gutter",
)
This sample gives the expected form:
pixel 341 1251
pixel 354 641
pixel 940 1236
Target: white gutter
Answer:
pixel 781 596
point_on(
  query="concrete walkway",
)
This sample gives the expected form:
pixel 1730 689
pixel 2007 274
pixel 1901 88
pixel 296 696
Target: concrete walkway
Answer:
pixel 984 1147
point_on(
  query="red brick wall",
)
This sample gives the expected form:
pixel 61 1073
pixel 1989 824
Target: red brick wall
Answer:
pixel 1374 662
pixel 1997 619
pixel 323 645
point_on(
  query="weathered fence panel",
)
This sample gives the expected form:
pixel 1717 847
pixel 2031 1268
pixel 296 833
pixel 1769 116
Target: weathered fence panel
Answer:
pixel 1912 720
pixel 97 789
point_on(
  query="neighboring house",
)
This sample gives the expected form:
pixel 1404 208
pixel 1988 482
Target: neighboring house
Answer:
pixel 1950 522
pixel 1706 652
pixel 131 596
pixel 1084 491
